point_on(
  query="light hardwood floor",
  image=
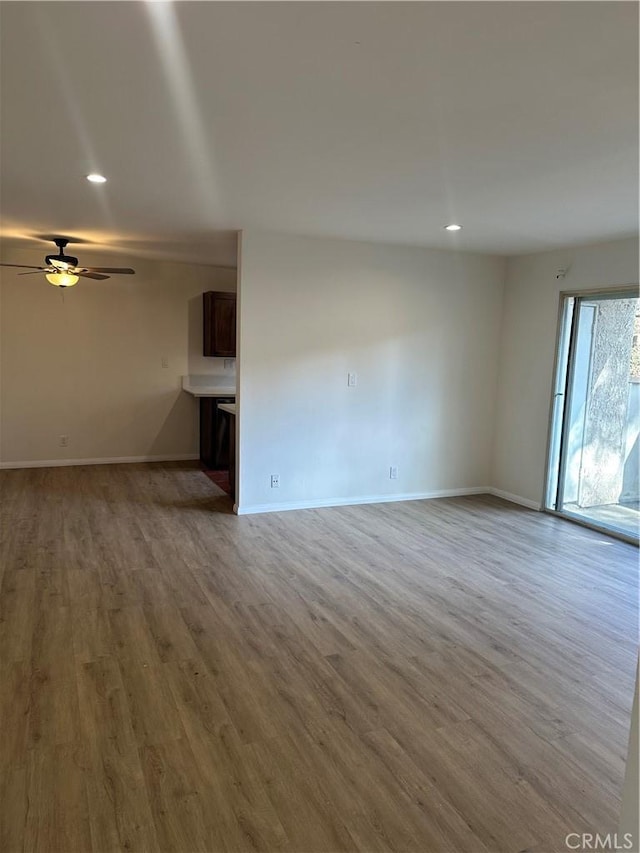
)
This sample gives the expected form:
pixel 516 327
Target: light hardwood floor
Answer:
pixel 451 675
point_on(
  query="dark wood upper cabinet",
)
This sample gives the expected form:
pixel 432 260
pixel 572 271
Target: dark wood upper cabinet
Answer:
pixel 219 332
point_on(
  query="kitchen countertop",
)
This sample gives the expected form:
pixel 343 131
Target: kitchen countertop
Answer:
pixel 209 386
pixel 227 407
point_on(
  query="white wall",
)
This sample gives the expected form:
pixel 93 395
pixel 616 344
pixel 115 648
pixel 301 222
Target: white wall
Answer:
pixel 421 330
pixel 87 362
pixel 527 352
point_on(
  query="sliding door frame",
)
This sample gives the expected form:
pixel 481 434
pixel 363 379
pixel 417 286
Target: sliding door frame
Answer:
pixel 549 504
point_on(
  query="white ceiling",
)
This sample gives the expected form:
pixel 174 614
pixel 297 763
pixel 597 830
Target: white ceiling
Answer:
pixel 372 121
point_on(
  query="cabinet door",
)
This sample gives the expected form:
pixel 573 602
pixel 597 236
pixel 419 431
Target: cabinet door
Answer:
pixel 220 439
pixel 208 408
pixel 214 433
pixel 219 328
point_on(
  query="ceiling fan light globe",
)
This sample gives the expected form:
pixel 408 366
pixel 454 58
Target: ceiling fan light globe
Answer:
pixel 62 279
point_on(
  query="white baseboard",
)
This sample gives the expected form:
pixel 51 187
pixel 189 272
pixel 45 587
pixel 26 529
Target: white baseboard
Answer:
pixel 113 460
pixel 283 507
pixel 361 499
pixel 515 499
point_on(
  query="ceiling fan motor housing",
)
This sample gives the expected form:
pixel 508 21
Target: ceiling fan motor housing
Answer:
pixel 66 259
pixel 61 243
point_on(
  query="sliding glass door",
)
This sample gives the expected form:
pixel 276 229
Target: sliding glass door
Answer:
pixel 594 456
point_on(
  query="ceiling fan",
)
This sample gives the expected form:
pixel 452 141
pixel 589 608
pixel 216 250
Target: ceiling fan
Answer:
pixel 63 271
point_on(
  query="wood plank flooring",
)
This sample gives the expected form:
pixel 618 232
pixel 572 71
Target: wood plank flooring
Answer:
pixel 451 675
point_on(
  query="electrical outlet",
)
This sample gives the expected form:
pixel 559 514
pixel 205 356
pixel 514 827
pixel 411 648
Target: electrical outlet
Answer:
pixel 352 380
pixel 64 441
pixel 393 472
pixel 165 361
pixel 275 481
pixel 229 363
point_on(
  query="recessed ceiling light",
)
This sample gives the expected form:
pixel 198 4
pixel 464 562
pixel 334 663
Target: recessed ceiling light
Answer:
pixel 96 179
pixel 453 227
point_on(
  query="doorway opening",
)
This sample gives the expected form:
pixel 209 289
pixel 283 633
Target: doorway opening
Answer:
pixel 594 451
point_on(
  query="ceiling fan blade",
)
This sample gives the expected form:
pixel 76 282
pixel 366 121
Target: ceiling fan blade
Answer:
pixel 35 272
pixel 23 266
pixel 93 275
pixel 119 270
